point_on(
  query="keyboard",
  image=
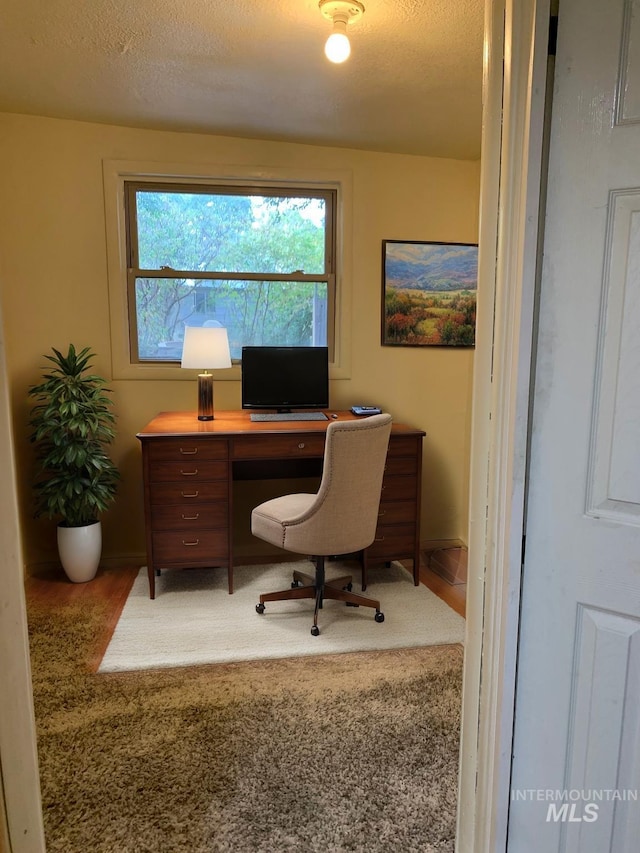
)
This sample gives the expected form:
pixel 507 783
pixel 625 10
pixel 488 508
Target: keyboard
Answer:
pixel 289 416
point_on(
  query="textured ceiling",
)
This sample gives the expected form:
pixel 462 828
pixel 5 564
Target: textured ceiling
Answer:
pixel 252 68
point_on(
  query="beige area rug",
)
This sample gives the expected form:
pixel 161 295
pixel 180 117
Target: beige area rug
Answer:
pixel 194 620
pixel 352 752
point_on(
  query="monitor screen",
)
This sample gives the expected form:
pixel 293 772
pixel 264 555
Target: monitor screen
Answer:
pixel 285 378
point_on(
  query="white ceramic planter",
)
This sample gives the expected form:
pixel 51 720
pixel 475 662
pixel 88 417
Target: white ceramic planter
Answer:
pixel 79 549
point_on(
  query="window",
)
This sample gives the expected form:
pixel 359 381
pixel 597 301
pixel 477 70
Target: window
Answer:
pixel 260 261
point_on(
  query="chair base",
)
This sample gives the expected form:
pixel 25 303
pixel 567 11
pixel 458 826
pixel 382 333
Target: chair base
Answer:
pixel 318 588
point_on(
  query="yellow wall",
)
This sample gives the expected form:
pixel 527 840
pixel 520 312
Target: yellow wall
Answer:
pixel 53 284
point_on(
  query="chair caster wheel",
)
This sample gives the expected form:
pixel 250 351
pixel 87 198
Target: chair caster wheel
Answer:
pixel 315 631
pixel 379 617
pixel 348 587
pixel 295 584
pixel 260 608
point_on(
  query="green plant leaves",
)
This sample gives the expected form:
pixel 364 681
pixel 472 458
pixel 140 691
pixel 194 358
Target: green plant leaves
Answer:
pixel 71 424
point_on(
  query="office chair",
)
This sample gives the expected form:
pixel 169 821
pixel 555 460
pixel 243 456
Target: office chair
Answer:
pixel 340 519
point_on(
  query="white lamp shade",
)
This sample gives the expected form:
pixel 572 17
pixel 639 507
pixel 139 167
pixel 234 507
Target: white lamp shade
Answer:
pixel 205 348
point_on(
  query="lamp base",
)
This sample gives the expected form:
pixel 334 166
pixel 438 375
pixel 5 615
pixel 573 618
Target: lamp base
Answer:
pixel 205 397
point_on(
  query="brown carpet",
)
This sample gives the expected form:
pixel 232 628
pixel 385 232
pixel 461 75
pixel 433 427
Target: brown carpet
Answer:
pixel 350 752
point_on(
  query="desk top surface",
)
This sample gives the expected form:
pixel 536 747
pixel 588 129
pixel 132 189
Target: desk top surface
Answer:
pixel 227 423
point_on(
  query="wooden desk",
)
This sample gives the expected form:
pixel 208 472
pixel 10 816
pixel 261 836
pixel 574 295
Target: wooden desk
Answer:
pixel 189 467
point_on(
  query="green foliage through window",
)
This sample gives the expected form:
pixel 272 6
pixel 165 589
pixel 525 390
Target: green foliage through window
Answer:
pixel 260 262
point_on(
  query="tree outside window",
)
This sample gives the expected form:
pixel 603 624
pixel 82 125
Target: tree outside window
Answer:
pixel 260 262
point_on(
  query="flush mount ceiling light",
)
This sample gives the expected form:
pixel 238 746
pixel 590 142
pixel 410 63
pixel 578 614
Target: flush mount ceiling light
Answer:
pixel 340 12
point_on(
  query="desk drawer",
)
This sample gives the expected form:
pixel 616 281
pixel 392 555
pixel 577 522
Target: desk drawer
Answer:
pixel 393 541
pixel 405 445
pixel 189 471
pixel 188 493
pixel 278 446
pixel 202 546
pixel 402 465
pixel 181 449
pixel 399 489
pixel 397 512
pixel 195 517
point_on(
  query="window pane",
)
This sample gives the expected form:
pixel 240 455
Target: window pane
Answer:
pixel 259 313
pixel 230 233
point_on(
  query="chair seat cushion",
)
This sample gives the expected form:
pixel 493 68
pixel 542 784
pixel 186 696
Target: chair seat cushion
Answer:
pixel 269 520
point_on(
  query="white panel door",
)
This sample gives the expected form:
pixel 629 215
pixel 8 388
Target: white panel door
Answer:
pixel 576 760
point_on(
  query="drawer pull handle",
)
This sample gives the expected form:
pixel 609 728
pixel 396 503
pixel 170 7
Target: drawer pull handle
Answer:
pixel 379 539
pixel 301 445
pixel 188 452
pixel 188 473
pixel 381 513
pixel 191 517
pixel 197 542
pixel 189 494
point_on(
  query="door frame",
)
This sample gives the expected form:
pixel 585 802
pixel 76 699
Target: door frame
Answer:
pixel 512 172
pixel 513 121
pixel 21 828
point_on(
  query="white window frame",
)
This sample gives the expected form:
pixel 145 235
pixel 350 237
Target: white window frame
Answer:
pixel 117 172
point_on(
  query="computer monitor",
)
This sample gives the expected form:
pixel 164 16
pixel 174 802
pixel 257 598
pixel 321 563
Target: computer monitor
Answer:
pixel 285 378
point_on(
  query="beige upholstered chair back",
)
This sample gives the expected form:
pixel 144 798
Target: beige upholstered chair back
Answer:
pixel 344 514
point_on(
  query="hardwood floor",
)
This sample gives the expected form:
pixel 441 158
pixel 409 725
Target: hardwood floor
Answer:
pixel 111 586
pixel 455 595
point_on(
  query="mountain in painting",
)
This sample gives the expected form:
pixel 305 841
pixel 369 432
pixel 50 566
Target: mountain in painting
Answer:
pixel 431 267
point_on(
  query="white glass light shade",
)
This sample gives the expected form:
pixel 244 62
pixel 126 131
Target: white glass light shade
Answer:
pixel 337 47
pixel 205 348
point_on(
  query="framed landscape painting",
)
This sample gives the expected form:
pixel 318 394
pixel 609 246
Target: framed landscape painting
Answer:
pixel 429 293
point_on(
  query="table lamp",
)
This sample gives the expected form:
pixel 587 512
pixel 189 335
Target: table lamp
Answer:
pixel 205 348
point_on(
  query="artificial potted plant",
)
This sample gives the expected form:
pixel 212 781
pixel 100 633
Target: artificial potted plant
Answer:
pixel 72 424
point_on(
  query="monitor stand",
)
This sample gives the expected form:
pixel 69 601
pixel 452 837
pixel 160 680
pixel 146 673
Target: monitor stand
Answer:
pixel 288 416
